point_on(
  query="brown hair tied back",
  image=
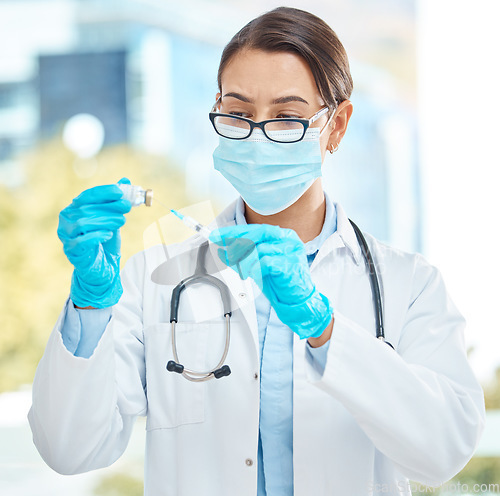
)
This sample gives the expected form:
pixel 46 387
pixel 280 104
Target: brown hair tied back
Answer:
pixel 292 30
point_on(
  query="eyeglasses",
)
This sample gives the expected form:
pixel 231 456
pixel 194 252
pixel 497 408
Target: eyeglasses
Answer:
pixel 286 130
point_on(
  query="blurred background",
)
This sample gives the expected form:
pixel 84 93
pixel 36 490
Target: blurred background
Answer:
pixel 94 90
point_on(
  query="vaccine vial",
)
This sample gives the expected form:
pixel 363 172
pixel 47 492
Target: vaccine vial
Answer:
pixel 137 195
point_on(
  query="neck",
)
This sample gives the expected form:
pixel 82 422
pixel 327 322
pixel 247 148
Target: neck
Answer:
pixel 306 216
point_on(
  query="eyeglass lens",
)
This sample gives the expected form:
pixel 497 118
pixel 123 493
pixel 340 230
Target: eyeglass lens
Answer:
pixel 280 130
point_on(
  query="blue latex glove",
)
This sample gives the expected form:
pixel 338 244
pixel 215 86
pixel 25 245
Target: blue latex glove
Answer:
pixel 89 231
pixel 276 259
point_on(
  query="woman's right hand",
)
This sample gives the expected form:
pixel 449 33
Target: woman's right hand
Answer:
pixel 89 231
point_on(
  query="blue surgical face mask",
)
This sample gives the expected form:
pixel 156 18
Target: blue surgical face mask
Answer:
pixel 269 176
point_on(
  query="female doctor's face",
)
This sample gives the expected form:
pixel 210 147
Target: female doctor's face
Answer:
pixel 271 85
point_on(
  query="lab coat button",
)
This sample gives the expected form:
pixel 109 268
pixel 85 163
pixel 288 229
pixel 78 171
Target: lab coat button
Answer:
pixel 256 376
pixel 249 462
pixel 242 295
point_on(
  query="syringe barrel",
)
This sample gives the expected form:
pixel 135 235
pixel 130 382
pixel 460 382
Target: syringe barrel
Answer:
pixel 196 226
pixel 205 232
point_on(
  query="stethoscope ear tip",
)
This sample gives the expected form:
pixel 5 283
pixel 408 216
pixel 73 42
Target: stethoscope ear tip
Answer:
pixel 175 367
pixel 222 372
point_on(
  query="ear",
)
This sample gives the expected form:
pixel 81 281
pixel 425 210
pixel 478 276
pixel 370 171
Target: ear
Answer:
pixel 339 123
pixel 217 96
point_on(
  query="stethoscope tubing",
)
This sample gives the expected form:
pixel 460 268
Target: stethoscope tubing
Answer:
pixel 372 272
pixel 200 275
pixel 194 376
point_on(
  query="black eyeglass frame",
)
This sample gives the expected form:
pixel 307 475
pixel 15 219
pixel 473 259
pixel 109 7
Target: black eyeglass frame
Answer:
pixel 306 123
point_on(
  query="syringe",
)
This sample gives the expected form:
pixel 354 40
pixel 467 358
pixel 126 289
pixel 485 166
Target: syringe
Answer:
pixel 193 224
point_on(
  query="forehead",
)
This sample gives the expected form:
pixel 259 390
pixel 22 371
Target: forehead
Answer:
pixel 260 75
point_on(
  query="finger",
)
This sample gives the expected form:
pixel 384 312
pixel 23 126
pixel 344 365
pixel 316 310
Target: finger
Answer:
pixel 223 234
pixel 249 267
pixel 87 212
pixel 85 242
pixel 120 206
pixel 124 180
pixel 70 227
pixel 238 249
pixel 223 256
pixel 238 265
pixel 98 194
pixel 287 270
pixel 256 232
pixel 283 249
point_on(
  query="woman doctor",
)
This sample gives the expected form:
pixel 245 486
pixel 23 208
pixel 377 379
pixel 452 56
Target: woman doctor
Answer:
pixel 315 403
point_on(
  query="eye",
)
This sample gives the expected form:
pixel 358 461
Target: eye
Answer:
pixel 287 116
pixel 237 113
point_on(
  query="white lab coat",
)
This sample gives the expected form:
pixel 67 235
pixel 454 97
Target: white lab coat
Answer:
pixel 375 418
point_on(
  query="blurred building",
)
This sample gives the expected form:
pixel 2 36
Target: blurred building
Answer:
pixel 147 70
pixel 77 83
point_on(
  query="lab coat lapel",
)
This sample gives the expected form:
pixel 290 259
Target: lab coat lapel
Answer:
pixel 343 237
pixel 242 292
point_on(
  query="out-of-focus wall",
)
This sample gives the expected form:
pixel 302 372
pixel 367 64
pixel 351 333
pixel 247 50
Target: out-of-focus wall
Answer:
pixel 459 129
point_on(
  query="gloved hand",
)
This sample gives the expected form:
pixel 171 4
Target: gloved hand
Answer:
pixel 89 231
pixel 278 264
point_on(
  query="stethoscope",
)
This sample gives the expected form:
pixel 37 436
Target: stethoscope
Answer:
pixel 372 272
pixel 201 275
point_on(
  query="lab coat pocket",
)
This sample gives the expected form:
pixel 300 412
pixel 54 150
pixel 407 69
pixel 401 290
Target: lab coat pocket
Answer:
pixel 172 399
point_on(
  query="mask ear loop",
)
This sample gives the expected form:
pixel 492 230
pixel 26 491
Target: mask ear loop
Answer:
pixel 327 123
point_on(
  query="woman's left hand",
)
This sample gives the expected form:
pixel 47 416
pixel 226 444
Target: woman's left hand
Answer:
pixel 276 260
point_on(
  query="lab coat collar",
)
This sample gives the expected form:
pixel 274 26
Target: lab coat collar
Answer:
pixel 346 233
pixel 226 217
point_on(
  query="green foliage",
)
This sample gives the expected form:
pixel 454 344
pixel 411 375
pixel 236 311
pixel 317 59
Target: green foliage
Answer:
pixel 119 485
pixel 35 274
pixel 481 471
pixel 492 392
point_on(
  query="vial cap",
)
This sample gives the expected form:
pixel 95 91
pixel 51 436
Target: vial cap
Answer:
pixel 148 197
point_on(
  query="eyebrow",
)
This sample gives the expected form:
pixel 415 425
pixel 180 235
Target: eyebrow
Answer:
pixel 239 97
pixel 277 101
pixel 291 98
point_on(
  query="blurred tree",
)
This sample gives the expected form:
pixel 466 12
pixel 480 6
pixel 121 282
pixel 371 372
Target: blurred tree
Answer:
pixel 35 272
pixel 119 485
pixel 479 470
pixel 492 392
